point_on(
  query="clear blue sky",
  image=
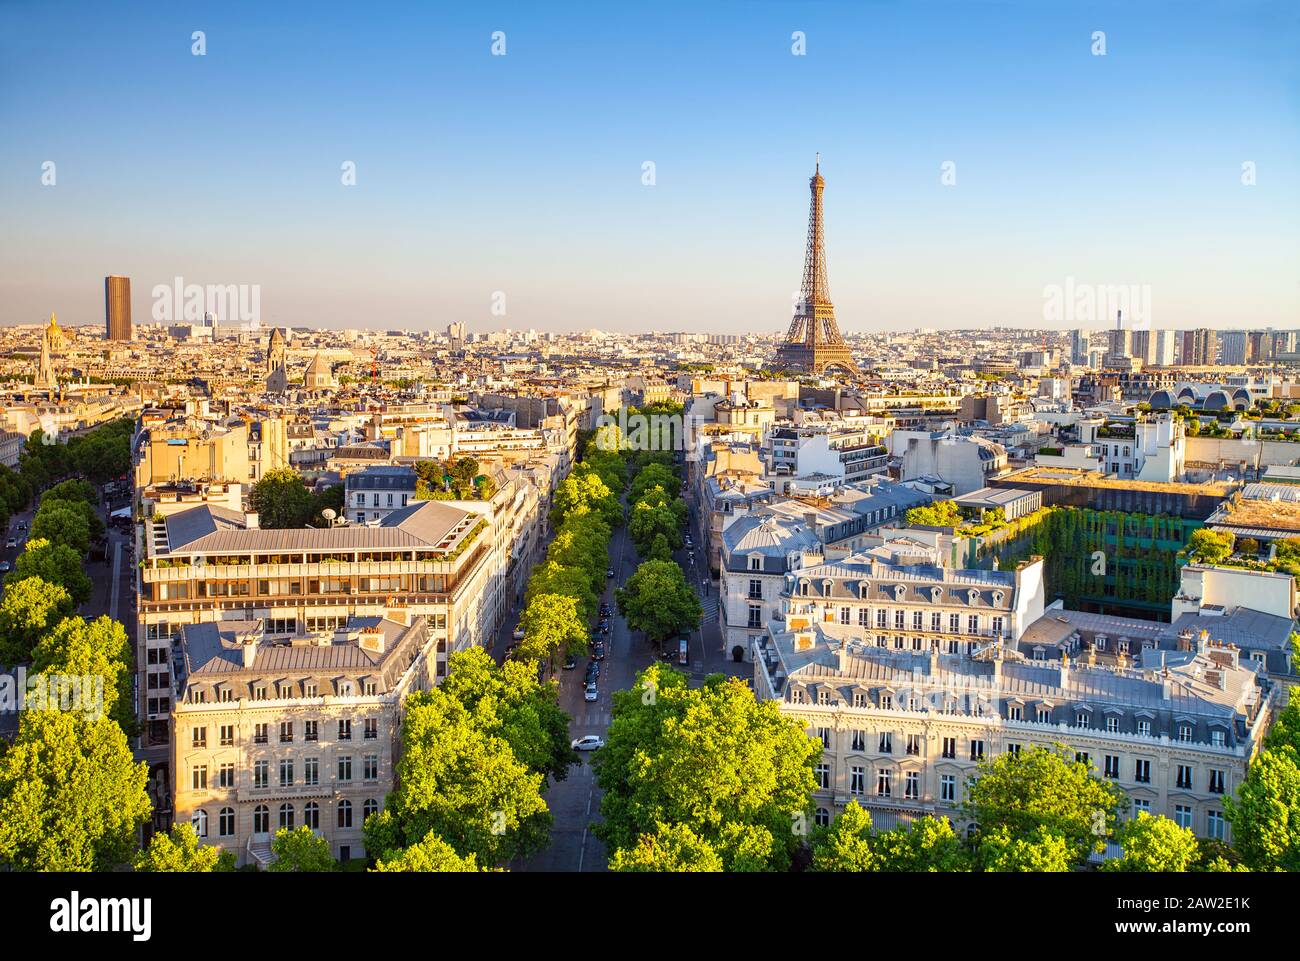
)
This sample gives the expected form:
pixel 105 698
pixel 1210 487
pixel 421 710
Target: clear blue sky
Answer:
pixel 523 173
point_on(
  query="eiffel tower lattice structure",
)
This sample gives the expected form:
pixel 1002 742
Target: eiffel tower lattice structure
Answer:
pixel 814 343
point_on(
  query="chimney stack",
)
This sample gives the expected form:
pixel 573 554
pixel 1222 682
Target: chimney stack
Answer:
pixel 248 647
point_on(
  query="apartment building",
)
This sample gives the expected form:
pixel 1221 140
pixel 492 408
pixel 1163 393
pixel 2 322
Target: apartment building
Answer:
pixel 965 461
pixel 374 492
pixel 905 720
pixel 294 730
pixel 844 452
pixel 209 564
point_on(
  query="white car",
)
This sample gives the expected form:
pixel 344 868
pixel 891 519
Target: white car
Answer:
pixel 518 635
pixel 591 693
pixel 588 743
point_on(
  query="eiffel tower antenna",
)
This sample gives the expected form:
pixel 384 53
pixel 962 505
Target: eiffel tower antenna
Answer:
pixel 813 342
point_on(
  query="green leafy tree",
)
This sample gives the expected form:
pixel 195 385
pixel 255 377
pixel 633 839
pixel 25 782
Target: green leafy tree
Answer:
pixel 71 795
pixel 1210 546
pixel 846 845
pixel 584 490
pixel 301 851
pixel 1040 851
pixel 1265 814
pixel 62 525
pixel 1153 844
pixel 735 771
pixel 938 514
pixel 281 500
pixel 552 624
pixel 428 855
pixel 179 851
pixel 98 649
pixel 54 563
pixel 926 845
pixel 552 578
pixel 461 783
pixel 72 489
pixel 1041 787
pixel 509 702
pixel 671 847
pixel 29 608
pixel 658 601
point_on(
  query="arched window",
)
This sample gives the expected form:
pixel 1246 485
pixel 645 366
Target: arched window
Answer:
pixel 286 817
pixel 200 822
pixel 345 814
pixel 261 819
pixel 311 815
pixel 226 822
pixel 370 807
pixel 823 817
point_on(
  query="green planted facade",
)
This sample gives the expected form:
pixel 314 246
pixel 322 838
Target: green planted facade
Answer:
pixel 1136 572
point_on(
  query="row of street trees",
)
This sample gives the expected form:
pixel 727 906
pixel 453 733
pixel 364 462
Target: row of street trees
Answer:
pixel 564 590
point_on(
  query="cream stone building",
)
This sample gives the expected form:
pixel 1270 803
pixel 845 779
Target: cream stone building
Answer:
pixel 279 731
pixel 908 679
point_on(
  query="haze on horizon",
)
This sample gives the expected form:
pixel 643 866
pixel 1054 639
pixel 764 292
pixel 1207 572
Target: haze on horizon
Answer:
pixel 523 173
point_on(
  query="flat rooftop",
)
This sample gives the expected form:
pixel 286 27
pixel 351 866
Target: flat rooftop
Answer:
pixel 1076 477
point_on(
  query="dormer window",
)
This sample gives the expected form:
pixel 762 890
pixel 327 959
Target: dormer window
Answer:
pixel 997 597
pixel 803 588
pixel 1099 642
pixel 936 594
pixel 972 596
pixel 899 591
pixel 756 563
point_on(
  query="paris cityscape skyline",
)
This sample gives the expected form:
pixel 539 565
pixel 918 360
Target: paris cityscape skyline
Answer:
pixel 970 164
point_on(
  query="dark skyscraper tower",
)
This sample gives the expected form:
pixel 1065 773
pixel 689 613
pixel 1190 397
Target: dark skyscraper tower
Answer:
pixel 117 307
pixel 814 343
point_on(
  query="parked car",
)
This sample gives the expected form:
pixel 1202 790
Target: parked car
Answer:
pixel 599 652
pixel 12 542
pixel 610 572
pixel 589 743
pixel 591 693
pixel 22 525
pixel 5 567
pixel 593 671
pixel 570 663
pixel 518 635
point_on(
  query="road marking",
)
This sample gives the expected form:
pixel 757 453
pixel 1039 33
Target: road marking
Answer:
pixel 115 586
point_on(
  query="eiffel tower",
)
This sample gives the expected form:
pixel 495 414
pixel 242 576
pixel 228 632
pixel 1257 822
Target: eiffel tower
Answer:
pixel 813 342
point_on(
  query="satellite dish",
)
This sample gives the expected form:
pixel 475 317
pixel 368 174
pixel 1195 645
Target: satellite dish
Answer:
pixel 328 514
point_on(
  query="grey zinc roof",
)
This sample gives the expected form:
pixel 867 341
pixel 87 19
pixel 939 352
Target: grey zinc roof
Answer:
pixel 764 533
pixel 1241 626
pixel 422 524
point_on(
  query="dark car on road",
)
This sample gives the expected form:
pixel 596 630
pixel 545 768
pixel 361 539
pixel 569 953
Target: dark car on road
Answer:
pixel 599 652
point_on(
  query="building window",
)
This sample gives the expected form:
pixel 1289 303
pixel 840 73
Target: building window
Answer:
pixel 1214 826
pixel 226 775
pixel 882 618
pixel 1044 715
pixel 912 785
pixel 200 822
pixel 1142 772
pixel 227 735
pixel 311 815
pixel 261 773
pixel 976 750
pixel 1081 719
pixel 345 730
pixel 259 733
pixel 261 819
pixel 859 740
pixel 1112 765
pixel 1082 757
pixel 1144 728
pixel 1140 805
pixel 1216 782
pixel 370 767
pixel 973 624
pixel 345 813
pixel 886 745
pixel 1014 713
pixel 824 735
pixel 1112 724
pixel 370 807
pixel 345 768
pixel 859 699
pixel 997 626
pixel 858 780
pixel 200 737
pixel 371 728
pixel 311 730
pixel 950 747
pixel 286 772
pixel 823 772
pixel 755 616
pixel 886 702
pixel 936 621
pixel 914 744
pixel 311 771
pixel 1183 815
pixel 900 620
pixel 918 620
pixel 947 788
pixel 884 783
pixel 1184 732
pixel 286 732
pixel 864 617
pixel 1218 738
pixel 1013 748
pixel 755 589
pixel 226 822
pixel 823 818
pixel 954 623
pixel 846 615
pixel 286 817
pixel 199 777
pixel 1184 777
